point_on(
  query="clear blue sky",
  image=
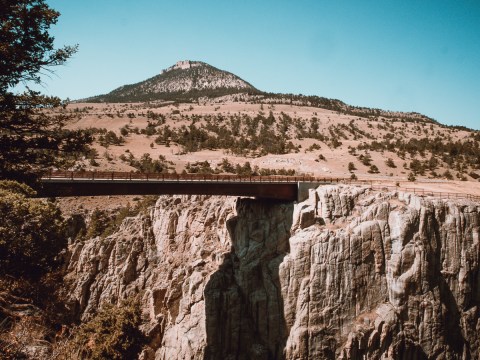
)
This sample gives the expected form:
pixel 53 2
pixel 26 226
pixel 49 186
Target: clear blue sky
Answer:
pixel 407 55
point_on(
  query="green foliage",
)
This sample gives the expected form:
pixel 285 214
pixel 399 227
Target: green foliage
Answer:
pixel 113 333
pixel 99 222
pixel 389 162
pixel 104 224
pixel 417 167
pixel 16 187
pixel 449 151
pixel 411 177
pixel 474 175
pixel 30 138
pixel 110 138
pixel 313 147
pixel 244 170
pixel 226 166
pixel 351 166
pixel 199 167
pixel 448 175
pixel 32 232
pixel 373 169
pixel 148 165
pixel 365 159
pixel 26 47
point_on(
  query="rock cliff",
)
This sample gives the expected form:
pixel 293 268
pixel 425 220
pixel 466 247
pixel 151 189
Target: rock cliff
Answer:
pixel 348 273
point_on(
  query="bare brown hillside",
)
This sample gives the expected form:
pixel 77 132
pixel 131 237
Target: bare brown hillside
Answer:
pixel 251 135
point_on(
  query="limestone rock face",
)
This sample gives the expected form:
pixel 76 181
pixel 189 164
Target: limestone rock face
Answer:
pixel 348 273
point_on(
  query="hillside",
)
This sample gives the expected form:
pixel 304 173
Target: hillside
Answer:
pixel 185 80
pixel 266 134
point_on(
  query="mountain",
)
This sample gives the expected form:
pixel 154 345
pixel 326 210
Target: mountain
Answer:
pixel 183 81
pixel 187 81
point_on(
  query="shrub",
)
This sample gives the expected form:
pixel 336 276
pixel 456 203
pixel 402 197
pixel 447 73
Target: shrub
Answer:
pixel 314 147
pixel 110 138
pixel 226 166
pixel 199 167
pixel 365 159
pixel 411 177
pixel 111 334
pixel 16 187
pixel 389 162
pixel 373 169
pixel 32 232
pixel 351 166
pixel 474 175
pixel 448 175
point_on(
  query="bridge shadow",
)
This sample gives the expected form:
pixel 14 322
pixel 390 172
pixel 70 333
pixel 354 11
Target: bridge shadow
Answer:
pixel 243 299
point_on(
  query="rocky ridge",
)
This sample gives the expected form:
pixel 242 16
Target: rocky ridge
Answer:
pixel 186 79
pixel 345 274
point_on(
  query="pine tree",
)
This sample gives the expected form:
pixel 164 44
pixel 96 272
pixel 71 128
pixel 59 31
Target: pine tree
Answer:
pixel 31 139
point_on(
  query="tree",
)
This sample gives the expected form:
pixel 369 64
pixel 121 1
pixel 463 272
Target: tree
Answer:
pixel 389 162
pixel 113 333
pixel 31 139
pixel 32 232
pixel 373 169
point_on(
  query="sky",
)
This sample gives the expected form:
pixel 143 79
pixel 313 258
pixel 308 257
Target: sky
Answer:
pixel 408 55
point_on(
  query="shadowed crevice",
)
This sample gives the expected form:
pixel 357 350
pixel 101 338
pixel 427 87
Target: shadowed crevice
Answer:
pixel 243 300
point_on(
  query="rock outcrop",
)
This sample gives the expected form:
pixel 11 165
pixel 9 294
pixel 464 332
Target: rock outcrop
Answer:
pixel 349 273
pixel 184 80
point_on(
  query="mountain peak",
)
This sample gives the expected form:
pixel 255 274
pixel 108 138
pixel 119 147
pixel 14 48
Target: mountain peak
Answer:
pixel 185 80
pixel 184 64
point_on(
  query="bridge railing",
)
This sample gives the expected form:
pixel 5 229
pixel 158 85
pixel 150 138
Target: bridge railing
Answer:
pixel 115 175
pixel 423 192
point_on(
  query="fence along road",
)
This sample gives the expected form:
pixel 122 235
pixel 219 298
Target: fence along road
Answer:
pixel 100 183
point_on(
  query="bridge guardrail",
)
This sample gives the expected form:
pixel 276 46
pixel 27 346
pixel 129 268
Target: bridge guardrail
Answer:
pixel 117 175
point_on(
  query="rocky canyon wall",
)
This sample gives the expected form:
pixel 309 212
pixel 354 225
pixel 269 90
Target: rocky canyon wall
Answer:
pixel 348 273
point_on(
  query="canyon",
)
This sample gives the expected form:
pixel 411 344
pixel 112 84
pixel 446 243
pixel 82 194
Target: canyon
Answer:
pixel 348 273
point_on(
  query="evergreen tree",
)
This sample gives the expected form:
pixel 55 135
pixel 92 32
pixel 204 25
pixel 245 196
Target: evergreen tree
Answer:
pixel 30 138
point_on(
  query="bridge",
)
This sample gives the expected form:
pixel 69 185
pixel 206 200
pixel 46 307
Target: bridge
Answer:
pixel 78 183
pixel 287 188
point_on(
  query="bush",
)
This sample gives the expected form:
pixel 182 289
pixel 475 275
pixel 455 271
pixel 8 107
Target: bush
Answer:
pixel 111 334
pixel 373 169
pixel 199 167
pixel 16 187
pixel 474 175
pixel 32 232
pixel 389 162
pixel 351 166
pixel 365 159
pixel 448 175
pixel 110 138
